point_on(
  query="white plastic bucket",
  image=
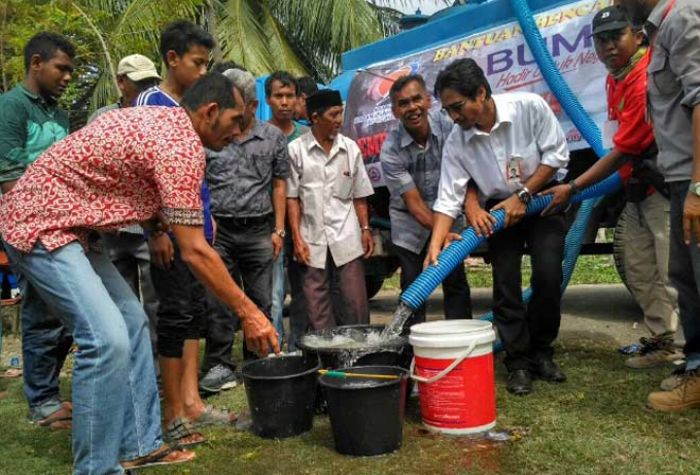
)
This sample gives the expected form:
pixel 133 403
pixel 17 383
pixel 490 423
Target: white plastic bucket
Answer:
pixel 453 365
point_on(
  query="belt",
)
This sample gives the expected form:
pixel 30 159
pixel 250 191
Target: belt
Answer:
pixel 246 221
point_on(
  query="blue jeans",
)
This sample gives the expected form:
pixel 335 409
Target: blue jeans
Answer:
pixel 116 411
pixel 45 345
pixel 278 293
pixel 684 275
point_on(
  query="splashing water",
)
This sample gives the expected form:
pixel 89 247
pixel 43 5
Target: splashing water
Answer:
pixel 395 327
pixel 351 341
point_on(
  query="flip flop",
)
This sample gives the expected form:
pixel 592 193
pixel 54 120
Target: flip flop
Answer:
pixel 165 455
pixel 180 429
pixel 212 416
pixel 59 419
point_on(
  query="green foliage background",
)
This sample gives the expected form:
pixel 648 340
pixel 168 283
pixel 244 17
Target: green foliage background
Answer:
pixel 301 36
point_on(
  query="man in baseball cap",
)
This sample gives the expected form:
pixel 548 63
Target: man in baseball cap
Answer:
pixel 137 67
pixel 609 19
pixel 135 74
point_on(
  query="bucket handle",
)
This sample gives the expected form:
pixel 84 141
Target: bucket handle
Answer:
pixel 445 371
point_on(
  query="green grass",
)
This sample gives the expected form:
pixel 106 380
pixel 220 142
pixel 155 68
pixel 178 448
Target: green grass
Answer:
pixel 594 424
pixel 592 269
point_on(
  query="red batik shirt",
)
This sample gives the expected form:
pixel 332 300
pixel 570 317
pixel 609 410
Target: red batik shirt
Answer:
pixel 119 170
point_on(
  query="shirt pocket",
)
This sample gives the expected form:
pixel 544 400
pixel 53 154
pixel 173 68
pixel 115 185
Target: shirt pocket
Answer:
pixel 263 166
pixel 343 185
pixel 661 79
pixel 529 159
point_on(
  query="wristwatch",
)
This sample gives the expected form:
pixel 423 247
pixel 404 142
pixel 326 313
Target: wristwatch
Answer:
pixel 366 228
pixel 695 188
pixel 280 232
pixel 524 195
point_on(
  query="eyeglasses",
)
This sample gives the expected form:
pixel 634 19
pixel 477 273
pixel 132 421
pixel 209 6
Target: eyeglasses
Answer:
pixel 455 106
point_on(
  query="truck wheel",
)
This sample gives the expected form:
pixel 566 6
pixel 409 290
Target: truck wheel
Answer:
pixel 618 249
pixel 373 285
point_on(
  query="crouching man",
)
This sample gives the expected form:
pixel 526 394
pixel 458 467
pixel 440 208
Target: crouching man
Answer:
pixel 507 147
pixel 121 169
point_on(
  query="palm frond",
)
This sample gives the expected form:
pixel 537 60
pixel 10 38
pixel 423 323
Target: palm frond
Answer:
pixel 284 56
pixel 143 20
pixel 242 37
pixel 324 29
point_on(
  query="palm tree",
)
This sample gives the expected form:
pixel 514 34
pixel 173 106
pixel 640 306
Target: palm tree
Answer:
pixel 301 36
pixel 124 27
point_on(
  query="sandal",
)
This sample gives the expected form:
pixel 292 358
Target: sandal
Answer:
pixel 165 455
pixel 60 419
pixel 179 430
pixel 212 416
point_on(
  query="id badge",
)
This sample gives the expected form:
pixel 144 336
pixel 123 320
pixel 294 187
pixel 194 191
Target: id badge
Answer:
pixel 514 169
pixel 610 128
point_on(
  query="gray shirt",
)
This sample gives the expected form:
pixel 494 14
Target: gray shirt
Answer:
pixel 240 176
pixel 674 84
pixel 407 166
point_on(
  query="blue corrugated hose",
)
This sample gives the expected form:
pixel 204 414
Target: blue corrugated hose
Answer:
pixel 416 294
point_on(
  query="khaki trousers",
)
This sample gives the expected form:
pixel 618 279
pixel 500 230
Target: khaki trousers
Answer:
pixel 646 255
pixel 316 284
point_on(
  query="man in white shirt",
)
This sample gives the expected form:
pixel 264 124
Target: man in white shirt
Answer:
pixel 507 147
pixel 327 209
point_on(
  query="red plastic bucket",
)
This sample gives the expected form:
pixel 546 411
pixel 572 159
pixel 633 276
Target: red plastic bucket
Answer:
pixel 453 366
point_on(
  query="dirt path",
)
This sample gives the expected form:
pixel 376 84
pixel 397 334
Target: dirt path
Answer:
pixel 602 312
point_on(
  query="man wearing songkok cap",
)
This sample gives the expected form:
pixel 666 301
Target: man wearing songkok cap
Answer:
pixel 327 207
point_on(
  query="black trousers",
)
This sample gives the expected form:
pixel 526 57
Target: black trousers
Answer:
pixel 181 307
pixel 527 332
pixel 684 274
pixel 245 246
pixel 457 296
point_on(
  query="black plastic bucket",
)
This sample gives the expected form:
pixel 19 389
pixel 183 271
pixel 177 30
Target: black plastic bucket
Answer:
pixel 395 352
pixel 366 414
pixel 281 395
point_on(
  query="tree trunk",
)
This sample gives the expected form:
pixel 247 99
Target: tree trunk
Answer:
pixel 216 55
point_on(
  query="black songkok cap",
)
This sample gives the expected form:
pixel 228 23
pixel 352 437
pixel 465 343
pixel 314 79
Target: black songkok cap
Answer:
pixel 323 99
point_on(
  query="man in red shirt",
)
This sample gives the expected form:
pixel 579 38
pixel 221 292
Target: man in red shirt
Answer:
pixel 124 168
pixel 646 215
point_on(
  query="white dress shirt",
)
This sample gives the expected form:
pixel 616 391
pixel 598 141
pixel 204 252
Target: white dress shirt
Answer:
pixel 525 135
pixel 326 186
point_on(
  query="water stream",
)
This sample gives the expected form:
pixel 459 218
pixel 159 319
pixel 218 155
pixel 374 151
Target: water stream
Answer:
pixel 395 327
